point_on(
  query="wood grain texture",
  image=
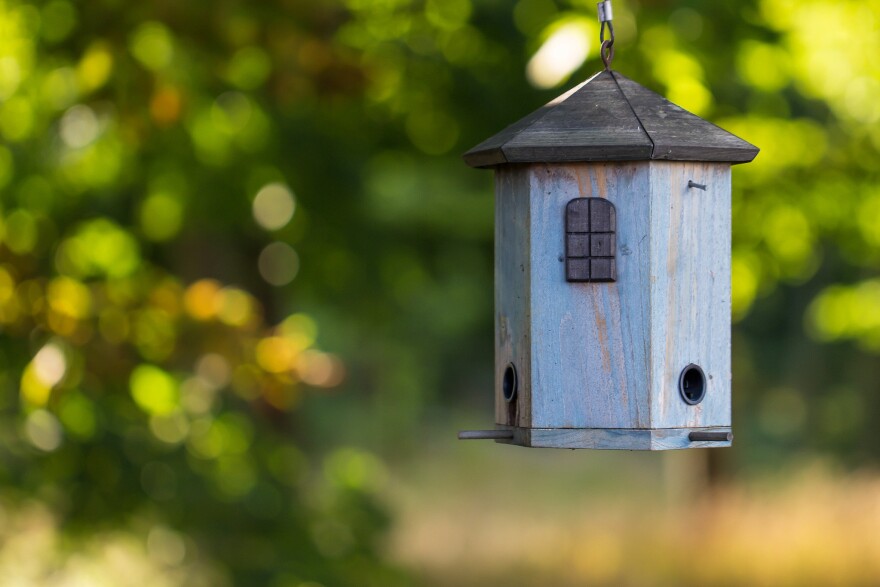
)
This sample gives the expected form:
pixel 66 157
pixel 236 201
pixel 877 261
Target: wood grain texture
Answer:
pixel 591 122
pixel 690 290
pixel 590 342
pixel 609 355
pixel 678 134
pixel 512 291
pixel 612 439
pixel 610 118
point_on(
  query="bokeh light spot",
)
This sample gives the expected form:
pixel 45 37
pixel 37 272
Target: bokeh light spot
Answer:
pixel 43 430
pixel 94 69
pixel 213 369
pixel 154 390
pixel 278 263
pixel 50 365
pixel 201 299
pixel 197 397
pixel 79 126
pixel 77 414
pixel 273 206
pixel 320 369
pixel 275 354
pixel 236 307
pixel 69 297
pixel 33 391
pixel 161 216
pixel 99 247
pixel 566 48
pixel 42 374
pixel 171 428
pixel 152 45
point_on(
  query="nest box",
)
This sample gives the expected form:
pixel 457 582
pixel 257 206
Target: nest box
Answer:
pixel 612 272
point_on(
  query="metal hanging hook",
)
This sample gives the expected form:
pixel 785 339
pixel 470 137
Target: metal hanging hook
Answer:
pixel 606 49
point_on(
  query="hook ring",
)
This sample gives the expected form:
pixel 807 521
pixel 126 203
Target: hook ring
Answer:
pixel 606 52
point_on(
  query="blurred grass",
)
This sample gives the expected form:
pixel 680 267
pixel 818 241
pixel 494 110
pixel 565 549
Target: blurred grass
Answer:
pixel 481 514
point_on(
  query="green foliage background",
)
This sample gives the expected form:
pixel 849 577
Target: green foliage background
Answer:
pixel 154 377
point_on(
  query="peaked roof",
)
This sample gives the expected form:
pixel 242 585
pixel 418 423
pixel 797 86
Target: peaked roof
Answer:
pixel 610 118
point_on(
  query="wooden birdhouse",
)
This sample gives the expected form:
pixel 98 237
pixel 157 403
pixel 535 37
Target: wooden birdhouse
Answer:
pixel 612 272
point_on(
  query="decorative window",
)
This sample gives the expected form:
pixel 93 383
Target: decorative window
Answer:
pixel 590 240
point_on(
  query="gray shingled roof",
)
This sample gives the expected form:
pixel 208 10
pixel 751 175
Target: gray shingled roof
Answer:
pixel 610 118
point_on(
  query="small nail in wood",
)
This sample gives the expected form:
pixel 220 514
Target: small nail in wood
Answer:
pixel 699 186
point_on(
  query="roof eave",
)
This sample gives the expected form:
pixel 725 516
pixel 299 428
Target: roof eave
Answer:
pixel 707 153
pixel 483 158
pixel 604 111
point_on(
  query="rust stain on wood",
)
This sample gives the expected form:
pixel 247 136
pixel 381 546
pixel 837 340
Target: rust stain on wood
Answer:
pixel 602 180
pixel 601 331
pixel 584 181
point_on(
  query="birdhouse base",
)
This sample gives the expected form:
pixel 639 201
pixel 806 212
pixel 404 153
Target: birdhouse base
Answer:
pixel 615 438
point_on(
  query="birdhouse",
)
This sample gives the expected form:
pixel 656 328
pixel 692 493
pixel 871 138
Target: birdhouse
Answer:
pixel 612 272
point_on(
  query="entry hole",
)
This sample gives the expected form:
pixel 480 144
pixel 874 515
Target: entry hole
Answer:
pixel 509 383
pixel 692 384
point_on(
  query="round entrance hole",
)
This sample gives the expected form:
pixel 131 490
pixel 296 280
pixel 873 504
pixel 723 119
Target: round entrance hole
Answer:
pixel 692 384
pixel 509 383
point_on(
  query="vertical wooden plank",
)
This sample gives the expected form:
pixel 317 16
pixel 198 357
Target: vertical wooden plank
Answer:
pixel 590 340
pixel 690 289
pixel 512 311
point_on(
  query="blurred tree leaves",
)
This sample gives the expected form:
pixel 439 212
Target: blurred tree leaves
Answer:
pixel 150 370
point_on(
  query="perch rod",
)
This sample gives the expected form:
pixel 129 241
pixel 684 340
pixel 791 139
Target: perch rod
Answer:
pixel 485 435
pixel 710 436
